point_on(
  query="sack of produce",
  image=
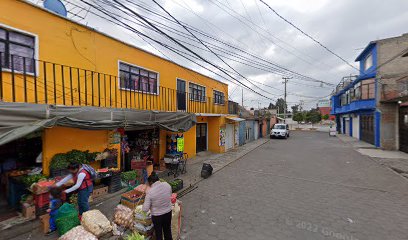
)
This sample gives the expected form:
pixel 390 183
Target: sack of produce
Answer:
pixel 78 233
pixel 123 216
pixel 142 217
pixel 96 223
pixel 142 229
pixel 176 220
pixel 135 236
pixel 67 218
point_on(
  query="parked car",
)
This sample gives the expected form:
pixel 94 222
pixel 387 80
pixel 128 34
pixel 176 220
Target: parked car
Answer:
pixel 280 130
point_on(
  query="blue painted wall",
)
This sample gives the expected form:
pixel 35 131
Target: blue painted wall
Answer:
pixel 351 127
pixel 242 132
pixel 370 49
pixel 377 124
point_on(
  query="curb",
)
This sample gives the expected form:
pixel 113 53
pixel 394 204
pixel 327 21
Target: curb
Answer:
pixel 373 159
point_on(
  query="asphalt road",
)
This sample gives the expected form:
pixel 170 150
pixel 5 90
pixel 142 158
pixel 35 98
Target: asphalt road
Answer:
pixel 310 186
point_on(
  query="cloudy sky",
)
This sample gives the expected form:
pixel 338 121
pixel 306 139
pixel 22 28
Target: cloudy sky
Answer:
pixel 345 27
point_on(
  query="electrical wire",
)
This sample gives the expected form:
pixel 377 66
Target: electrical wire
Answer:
pixel 309 36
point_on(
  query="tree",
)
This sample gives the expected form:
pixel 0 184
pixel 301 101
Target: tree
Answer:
pixel 280 104
pixel 325 117
pixel 295 109
pixel 298 117
pixel 271 106
pixel 313 116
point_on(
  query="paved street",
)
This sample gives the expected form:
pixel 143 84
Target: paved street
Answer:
pixel 310 186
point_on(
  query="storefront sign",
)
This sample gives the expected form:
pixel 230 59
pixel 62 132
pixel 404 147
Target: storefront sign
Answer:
pixel 180 144
pixel 114 137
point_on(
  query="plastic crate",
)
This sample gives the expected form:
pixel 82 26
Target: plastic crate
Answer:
pixel 42 199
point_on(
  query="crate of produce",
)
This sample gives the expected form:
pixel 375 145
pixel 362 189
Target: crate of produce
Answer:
pixel 132 198
pixel 176 185
pixel 137 164
pixel 99 191
pixel 42 199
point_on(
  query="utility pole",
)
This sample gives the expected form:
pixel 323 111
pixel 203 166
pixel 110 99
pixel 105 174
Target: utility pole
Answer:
pixel 285 81
pixel 242 103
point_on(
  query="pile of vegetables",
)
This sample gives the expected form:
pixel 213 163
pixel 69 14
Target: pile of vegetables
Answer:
pixel 123 216
pixel 28 180
pixel 135 236
pixel 128 176
pixel 96 223
pixel 78 233
pixel 62 160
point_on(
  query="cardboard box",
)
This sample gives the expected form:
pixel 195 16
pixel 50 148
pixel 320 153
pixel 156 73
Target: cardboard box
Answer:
pixel 45 222
pixel 29 211
pixel 132 199
pixel 99 192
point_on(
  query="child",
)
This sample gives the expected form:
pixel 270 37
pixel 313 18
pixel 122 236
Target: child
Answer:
pixel 55 203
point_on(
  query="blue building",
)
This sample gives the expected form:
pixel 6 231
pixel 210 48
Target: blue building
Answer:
pixel 362 103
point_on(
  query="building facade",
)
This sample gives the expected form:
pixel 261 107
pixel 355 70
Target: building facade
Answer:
pixel 370 106
pixel 49 59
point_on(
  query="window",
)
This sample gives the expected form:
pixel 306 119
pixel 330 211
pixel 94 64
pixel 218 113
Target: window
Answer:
pixel 218 97
pixel 17 48
pixel 197 92
pixel 368 62
pixel 137 79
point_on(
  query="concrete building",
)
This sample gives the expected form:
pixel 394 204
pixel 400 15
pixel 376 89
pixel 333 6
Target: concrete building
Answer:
pixel 371 106
pixel 46 58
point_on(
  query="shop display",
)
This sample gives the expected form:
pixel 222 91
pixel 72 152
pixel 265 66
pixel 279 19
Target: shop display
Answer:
pixel 28 180
pixel 142 222
pixel 67 218
pixel 123 216
pixel 78 233
pixel 96 223
pixel 142 217
pixel 41 186
pixel 132 199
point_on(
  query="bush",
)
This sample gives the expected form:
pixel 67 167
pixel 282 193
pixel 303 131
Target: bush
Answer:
pixel 128 176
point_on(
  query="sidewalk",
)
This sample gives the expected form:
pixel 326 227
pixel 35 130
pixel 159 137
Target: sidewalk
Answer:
pixel 106 204
pixel 217 161
pixel 395 160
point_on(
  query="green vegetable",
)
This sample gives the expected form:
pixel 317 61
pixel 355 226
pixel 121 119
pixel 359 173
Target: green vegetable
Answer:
pixel 128 176
pixel 59 161
pixel 28 180
pixel 135 236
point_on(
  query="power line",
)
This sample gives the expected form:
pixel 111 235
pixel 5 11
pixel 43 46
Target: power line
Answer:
pixel 307 35
pixel 164 45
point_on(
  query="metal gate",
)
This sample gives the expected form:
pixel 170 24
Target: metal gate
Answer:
pixel 229 137
pixel 367 128
pixel 403 129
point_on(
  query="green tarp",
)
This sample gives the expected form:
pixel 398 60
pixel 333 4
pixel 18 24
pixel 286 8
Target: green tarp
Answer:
pixel 20 119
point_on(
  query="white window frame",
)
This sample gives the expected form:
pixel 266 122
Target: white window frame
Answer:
pixel 143 68
pixel 369 57
pixel 214 90
pixel 205 92
pixel 36 50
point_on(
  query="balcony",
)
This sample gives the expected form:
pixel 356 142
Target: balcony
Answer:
pixel 394 90
pixel 27 80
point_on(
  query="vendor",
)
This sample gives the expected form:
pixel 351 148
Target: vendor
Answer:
pixel 158 201
pixel 83 183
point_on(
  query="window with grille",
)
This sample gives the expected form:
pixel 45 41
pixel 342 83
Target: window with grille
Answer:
pixel 137 79
pixel 17 51
pixel 197 92
pixel 218 97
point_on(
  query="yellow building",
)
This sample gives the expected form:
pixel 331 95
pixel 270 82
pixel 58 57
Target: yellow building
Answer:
pixel 46 58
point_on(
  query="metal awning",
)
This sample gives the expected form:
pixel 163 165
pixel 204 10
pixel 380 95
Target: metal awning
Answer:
pixel 235 119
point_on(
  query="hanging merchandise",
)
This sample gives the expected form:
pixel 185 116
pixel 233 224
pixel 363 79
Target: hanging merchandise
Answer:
pixel 175 143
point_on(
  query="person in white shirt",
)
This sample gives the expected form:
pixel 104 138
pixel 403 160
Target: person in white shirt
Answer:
pixel 158 201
